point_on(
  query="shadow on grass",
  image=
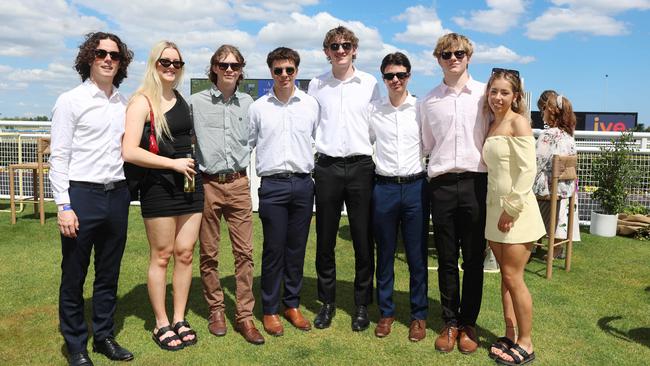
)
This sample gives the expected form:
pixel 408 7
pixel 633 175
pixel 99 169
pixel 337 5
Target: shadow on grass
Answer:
pixel 136 303
pixel 638 335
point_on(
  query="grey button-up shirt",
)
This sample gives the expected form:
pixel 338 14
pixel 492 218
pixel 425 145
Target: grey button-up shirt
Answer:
pixel 221 131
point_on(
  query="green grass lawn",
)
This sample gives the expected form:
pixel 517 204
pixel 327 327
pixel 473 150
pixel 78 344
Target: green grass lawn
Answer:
pixel 597 314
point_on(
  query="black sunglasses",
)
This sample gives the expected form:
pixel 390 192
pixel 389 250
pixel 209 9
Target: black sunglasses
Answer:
pixel 400 75
pixel 234 66
pixel 346 46
pixel 289 70
pixel 460 54
pixel 497 70
pixel 101 54
pixel 165 62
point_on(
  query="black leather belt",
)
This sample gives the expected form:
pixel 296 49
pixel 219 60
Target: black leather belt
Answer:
pixel 104 187
pixel 287 175
pixel 400 180
pixel 326 159
pixel 455 177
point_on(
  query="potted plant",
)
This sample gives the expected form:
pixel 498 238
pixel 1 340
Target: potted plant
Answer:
pixel 613 171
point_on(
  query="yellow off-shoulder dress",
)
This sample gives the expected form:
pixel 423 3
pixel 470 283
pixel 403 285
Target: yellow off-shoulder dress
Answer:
pixel 511 173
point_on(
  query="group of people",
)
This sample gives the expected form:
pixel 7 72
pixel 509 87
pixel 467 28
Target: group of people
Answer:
pixel 477 185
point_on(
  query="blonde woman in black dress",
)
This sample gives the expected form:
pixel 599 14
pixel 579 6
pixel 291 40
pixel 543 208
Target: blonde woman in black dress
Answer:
pixel 171 216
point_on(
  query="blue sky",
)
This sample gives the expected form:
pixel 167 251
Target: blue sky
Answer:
pixel 566 45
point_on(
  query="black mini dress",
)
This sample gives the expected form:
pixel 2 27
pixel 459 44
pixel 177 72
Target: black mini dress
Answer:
pixel 161 193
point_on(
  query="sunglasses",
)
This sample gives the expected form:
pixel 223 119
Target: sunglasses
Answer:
pixel 498 70
pixel 346 46
pixel 234 66
pixel 460 54
pixel 400 75
pixel 289 70
pixel 101 54
pixel 164 62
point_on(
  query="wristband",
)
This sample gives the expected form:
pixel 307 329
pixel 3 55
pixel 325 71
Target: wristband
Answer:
pixel 65 207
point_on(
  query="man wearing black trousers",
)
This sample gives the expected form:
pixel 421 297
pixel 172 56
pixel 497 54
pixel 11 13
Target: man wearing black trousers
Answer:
pixel 344 172
pixel 453 132
pixel 282 125
pixel 91 193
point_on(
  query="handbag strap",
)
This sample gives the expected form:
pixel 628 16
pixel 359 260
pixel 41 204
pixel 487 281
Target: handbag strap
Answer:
pixel 153 131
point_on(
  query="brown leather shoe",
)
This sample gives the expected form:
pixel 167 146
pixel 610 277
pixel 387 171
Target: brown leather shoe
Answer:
pixel 294 316
pixel 217 323
pixel 417 330
pixel 467 339
pixel 384 326
pixel 273 325
pixel 249 332
pixel 447 338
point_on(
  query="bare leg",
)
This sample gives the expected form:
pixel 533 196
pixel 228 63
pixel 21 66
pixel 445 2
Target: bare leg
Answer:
pixel 506 301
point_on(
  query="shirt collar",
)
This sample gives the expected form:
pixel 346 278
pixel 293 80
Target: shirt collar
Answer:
pixel 354 78
pixel 295 97
pixel 219 95
pixel 408 102
pixel 470 87
pixel 94 90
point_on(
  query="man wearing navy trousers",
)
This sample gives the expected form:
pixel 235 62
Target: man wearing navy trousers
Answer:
pixel 400 197
pixel 282 125
pixel 91 193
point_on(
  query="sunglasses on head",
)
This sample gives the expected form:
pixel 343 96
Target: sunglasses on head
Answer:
pixel 497 70
pixel 400 75
pixel 346 46
pixel 101 54
pixel 165 62
pixel 289 70
pixel 460 54
pixel 234 66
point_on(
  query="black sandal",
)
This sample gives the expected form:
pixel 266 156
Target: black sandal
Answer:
pixel 164 343
pixel 182 335
pixel 517 359
pixel 503 344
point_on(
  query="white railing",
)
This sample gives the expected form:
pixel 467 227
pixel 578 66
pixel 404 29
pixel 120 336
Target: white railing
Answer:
pixel 18 144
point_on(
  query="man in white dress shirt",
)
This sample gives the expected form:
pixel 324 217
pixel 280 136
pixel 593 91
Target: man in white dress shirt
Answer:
pixel 282 125
pixel 453 132
pixel 91 193
pixel 400 195
pixel 344 172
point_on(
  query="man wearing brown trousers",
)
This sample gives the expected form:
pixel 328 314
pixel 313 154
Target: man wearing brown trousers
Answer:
pixel 221 125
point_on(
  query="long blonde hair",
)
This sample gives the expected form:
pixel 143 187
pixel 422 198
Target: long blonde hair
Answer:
pixel 152 86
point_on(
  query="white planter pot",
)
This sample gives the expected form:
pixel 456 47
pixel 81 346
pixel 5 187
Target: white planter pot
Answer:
pixel 603 225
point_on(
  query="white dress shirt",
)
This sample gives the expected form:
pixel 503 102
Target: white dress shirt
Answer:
pixel 396 134
pixel 343 126
pixel 454 128
pixel 283 133
pixel 87 129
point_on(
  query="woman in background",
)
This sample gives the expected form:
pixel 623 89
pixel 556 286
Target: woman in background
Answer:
pixel 171 216
pixel 513 220
pixel 557 139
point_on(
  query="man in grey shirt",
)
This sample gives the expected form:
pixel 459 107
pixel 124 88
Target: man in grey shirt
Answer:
pixel 221 126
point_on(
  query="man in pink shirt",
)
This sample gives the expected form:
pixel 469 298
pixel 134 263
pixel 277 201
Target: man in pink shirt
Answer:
pixel 453 131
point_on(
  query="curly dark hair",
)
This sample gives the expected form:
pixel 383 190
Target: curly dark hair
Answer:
pixel 396 58
pixel 283 53
pixel 86 56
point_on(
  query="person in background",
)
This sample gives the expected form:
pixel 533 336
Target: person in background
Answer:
pixel 171 215
pixel 282 126
pixel 453 131
pixel 221 124
pixel 400 196
pixel 557 139
pixel 513 221
pixel 344 173
pixel 87 177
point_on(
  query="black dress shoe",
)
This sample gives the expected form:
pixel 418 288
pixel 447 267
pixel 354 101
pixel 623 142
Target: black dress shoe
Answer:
pixel 79 359
pixel 325 314
pixel 111 349
pixel 360 320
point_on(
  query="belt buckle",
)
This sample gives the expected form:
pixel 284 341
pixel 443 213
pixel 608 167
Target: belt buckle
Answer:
pixel 221 177
pixel 109 186
pixel 400 180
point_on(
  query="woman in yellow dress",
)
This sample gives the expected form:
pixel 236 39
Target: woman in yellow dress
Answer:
pixel 513 220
